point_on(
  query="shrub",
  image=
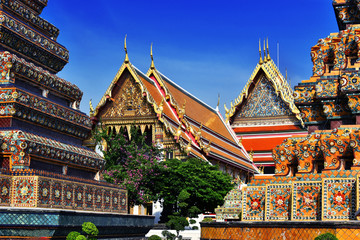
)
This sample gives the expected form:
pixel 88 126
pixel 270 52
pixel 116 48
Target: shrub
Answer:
pixel 90 228
pixel 72 235
pixel 154 237
pixel 195 228
pixel 81 237
pixel 192 221
pixel 206 220
pixel 326 236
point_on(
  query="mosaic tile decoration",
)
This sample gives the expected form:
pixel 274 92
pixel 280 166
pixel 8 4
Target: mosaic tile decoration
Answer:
pixel 338 199
pixel 68 195
pixel 253 204
pixel 5 184
pixel 107 202
pixel 123 201
pixel 278 202
pixel 89 198
pixel 35 191
pixel 306 201
pixel 115 205
pixel 56 195
pixel 79 197
pixel 264 102
pixel 24 191
pixel 98 199
pixel 44 193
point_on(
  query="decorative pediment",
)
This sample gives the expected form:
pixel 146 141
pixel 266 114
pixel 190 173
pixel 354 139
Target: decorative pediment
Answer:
pixel 128 101
pixel 264 102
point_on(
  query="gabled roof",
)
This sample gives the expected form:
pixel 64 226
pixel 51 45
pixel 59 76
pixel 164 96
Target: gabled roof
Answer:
pixel 279 83
pixel 208 133
pixel 198 128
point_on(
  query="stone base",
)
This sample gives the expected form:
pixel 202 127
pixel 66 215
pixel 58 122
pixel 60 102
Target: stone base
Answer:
pixel 56 224
pixel 279 230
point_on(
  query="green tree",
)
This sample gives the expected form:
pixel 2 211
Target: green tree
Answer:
pixel 191 187
pixel 134 163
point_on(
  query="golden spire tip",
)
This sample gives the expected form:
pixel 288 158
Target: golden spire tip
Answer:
pixel 265 59
pixel 267 49
pixel 152 58
pixel 261 61
pixel 126 54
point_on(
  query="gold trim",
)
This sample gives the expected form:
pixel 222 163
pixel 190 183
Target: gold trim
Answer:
pixel 280 85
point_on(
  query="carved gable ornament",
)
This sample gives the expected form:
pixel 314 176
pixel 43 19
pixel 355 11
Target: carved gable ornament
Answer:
pixel 128 102
pixel 264 102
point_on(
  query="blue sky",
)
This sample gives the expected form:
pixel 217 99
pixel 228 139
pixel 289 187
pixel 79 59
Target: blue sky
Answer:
pixel 207 47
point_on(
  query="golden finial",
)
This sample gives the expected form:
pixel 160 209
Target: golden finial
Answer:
pixel 267 49
pixel 152 59
pixel 286 74
pixel 126 54
pixel 178 132
pixel 188 148
pixel 91 108
pixel 207 148
pixel 265 59
pixel 218 103
pixel 251 154
pixel 240 140
pixel 261 61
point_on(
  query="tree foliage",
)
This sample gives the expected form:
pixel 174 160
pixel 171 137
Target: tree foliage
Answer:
pixel 133 163
pixel 326 236
pixel 191 187
pixel 89 229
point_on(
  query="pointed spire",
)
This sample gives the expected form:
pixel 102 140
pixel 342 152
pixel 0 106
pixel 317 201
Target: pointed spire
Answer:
pixel 126 54
pixel 91 108
pixel 267 49
pixel 265 59
pixel 260 61
pixel 286 78
pixel 152 66
pixel 218 103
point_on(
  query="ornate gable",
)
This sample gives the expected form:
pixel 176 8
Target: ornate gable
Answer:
pixel 264 102
pixel 128 101
pixel 267 94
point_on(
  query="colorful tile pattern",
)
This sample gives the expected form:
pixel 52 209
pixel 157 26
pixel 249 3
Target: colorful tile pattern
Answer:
pixel 306 201
pixel 35 191
pixel 278 199
pixel 264 102
pixel 339 199
pixel 24 191
pixel 44 193
pixel 253 204
pixel 21 144
pixel 5 184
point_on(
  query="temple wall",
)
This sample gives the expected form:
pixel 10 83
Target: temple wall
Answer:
pixel 279 230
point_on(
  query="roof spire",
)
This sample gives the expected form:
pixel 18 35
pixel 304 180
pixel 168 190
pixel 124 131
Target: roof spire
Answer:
pixel 265 59
pixel 152 66
pixel 126 54
pixel 218 103
pixel 267 49
pixel 261 61
pixel 286 74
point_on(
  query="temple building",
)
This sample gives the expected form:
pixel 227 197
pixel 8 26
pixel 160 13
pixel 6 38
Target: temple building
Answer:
pixel 264 114
pixel 316 176
pixel 172 118
pixel 47 176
